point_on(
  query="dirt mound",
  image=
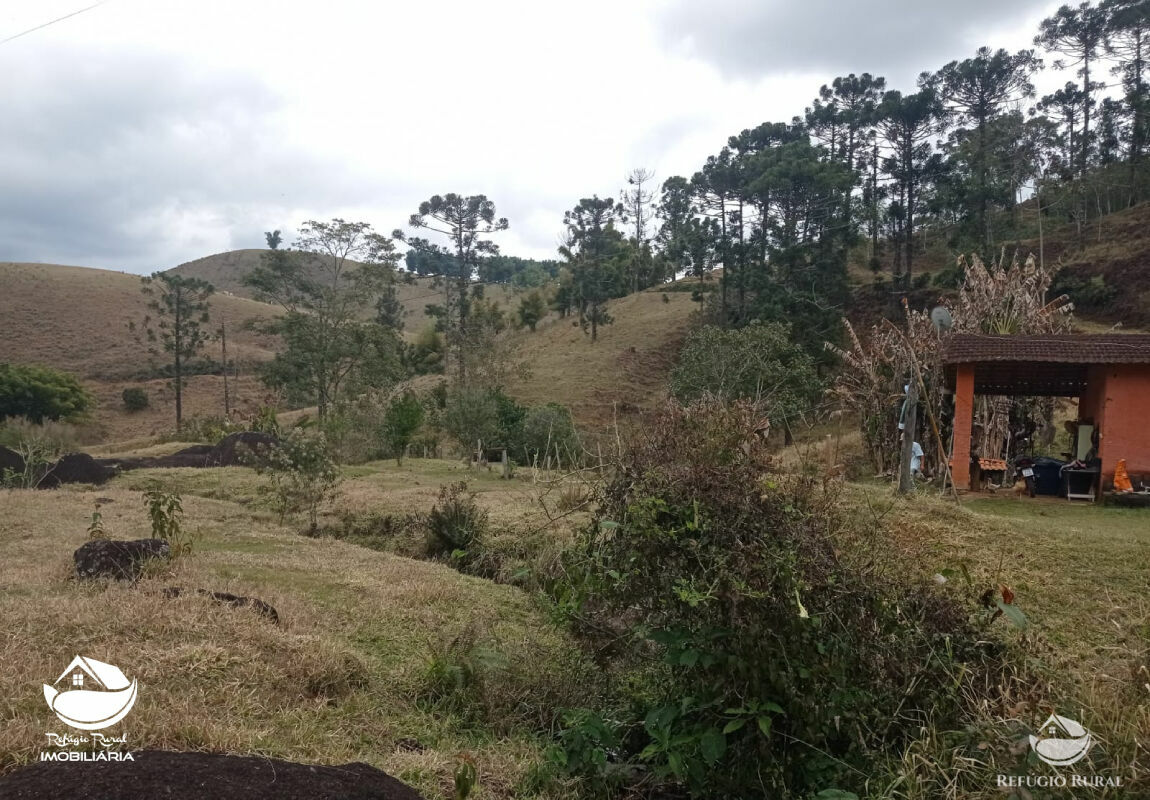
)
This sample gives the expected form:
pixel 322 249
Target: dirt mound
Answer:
pixel 76 468
pixel 11 460
pixel 200 776
pixel 194 456
pixel 229 452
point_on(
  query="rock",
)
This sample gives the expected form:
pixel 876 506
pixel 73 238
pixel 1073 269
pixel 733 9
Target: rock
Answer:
pixel 105 558
pixel 232 448
pixel 76 468
pixel 11 460
pixel 196 776
pixel 234 600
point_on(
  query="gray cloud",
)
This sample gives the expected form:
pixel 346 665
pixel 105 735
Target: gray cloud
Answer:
pixel 138 162
pixel 897 38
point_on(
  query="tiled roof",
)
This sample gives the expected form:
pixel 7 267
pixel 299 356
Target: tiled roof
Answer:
pixel 1103 348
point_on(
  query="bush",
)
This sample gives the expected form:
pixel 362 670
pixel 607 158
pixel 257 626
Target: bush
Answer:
pixel 40 393
pixel 134 398
pixel 39 445
pixel 302 471
pixel 760 363
pixel 767 633
pixel 166 513
pixel 456 525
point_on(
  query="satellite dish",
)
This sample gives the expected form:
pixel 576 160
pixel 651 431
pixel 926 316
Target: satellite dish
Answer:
pixel 941 319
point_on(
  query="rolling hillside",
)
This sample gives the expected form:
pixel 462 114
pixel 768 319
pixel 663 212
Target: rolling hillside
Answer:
pixel 75 318
pixel 622 373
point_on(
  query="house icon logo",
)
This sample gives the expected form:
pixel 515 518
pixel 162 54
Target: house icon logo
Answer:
pixel 1063 741
pixel 95 695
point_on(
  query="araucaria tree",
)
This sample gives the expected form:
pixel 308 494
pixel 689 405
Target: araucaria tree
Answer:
pixel 594 251
pixel 176 323
pixel 329 286
pixel 465 221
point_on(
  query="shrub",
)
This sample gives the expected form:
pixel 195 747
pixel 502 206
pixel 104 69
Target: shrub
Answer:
pixel 134 398
pixel 760 363
pixel 40 393
pixel 302 473
pixel 166 513
pixel 39 445
pixel 767 633
pixel 456 525
pixel 455 672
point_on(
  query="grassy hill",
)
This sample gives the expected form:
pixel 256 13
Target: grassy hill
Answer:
pixel 75 318
pixel 622 373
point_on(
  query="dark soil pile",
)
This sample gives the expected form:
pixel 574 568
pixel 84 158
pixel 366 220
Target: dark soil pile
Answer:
pixel 200 776
pixel 77 468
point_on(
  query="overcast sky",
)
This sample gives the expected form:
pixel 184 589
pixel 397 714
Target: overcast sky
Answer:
pixel 145 133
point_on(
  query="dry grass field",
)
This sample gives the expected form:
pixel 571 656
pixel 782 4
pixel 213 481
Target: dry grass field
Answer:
pixel 342 679
pixel 623 372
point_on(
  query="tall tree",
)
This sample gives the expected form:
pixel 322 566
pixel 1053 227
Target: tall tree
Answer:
pixel 593 250
pixel 906 123
pixel 1077 32
pixel 976 90
pixel 465 221
pixel 329 285
pixel 176 323
pixel 1128 38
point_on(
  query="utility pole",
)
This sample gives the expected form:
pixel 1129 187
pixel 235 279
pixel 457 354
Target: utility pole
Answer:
pixel 905 478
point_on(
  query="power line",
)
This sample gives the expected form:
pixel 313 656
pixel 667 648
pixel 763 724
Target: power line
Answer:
pixel 51 22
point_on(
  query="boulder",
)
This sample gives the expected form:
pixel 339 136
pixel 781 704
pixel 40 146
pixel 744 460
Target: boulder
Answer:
pixel 105 558
pixel 234 600
pixel 76 468
pixel 232 448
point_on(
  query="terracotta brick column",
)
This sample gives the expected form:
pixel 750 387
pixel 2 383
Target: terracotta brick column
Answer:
pixel 963 419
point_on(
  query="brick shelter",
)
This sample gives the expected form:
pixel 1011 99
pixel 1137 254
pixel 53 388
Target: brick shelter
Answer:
pixel 1108 373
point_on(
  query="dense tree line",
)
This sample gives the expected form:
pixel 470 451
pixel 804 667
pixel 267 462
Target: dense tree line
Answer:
pixel 971 157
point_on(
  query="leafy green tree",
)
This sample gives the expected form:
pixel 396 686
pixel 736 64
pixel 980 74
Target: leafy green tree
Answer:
pixel 760 363
pixel 425 355
pixel 465 221
pixel 471 415
pixel 532 308
pixel 41 393
pixel 545 428
pixel 328 287
pixel 402 419
pixel 176 323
